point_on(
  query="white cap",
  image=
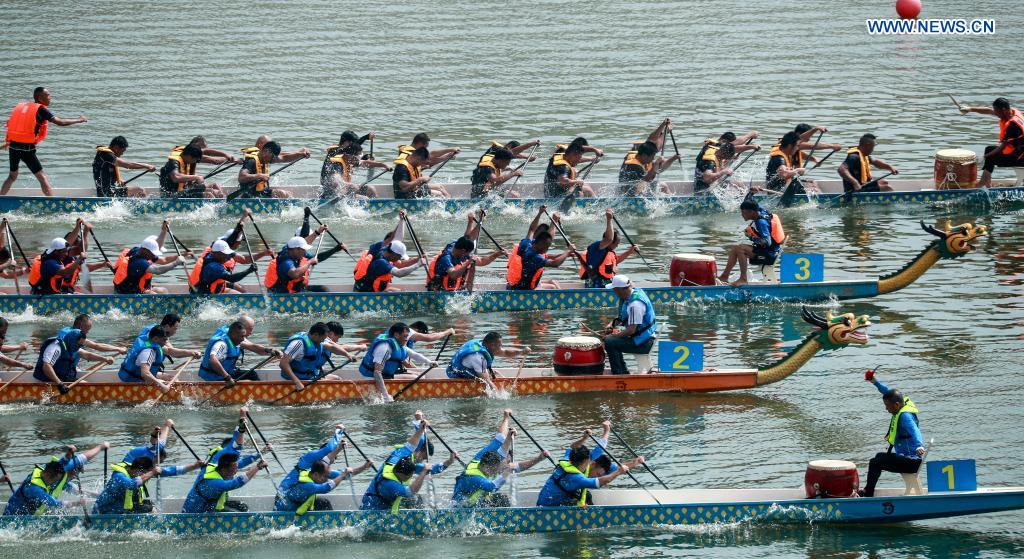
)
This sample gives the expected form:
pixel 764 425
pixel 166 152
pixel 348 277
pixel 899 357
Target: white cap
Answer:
pixel 222 247
pixel 57 244
pixel 618 282
pixel 149 243
pixel 298 242
pixel 398 247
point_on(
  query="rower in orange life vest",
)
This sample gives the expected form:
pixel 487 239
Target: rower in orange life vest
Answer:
pixel 336 174
pixel 56 270
pixel 136 266
pixel 1009 152
pixel 383 260
pixel 26 128
pixel 408 180
pixel 106 170
pixel 599 262
pixel 642 164
pixel 490 171
pixel 59 355
pixel 856 170
pixel 527 262
pixel 714 158
pixel 289 271
pixel 560 177
pixel 452 267
pixel 178 178
pixel 766 234
pixel 475 359
pixel 305 353
pixel 234 239
pixel 214 276
pixel 785 164
pixel 254 176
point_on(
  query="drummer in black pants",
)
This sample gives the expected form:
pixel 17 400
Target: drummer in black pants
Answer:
pixel 906 446
pixel 1010 150
pixel 639 325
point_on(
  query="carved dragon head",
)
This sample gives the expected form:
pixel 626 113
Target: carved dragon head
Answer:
pixel 955 242
pixel 836 331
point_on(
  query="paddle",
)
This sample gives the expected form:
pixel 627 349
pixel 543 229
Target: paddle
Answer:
pixel 10 233
pixel 99 246
pixel 256 271
pixel 424 373
pixel 496 243
pixel 745 158
pixel 315 380
pixel 170 383
pixel 522 167
pixel 184 442
pixel 105 466
pixel 628 473
pixel 631 243
pixel 633 452
pixel 146 172
pixel 3 470
pixel 249 191
pixel 443 163
pixel 328 231
pixel 815 146
pixel 955 102
pixel 823 159
pixel 219 169
pixel 87 374
pixel 86 519
pixel 359 450
pixel 533 440
pixel 568 243
pixel 334 200
pixel 415 239
pixel 184 267
pixel 344 452
pixel 848 196
pixel 260 452
pixel 672 135
pixel 444 444
pixel 265 442
pixel 242 375
pixel 512 493
pixel 515 381
pixel 570 198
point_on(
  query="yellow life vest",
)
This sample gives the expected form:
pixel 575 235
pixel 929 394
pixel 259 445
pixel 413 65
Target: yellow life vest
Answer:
pixel 710 153
pixel 186 169
pixel 261 169
pixel 634 161
pixel 37 480
pixel 405 150
pixel 865 164
pixel 414 171
pixel 212 473
pixel 908 407
pixel 250 151
pixel 777 152
pixel 558 159
pixel 117 170
pixel 473 469
pixel 388 472
pixel 568 468
pixel 129 496
pixel 346 169
pixel 308 504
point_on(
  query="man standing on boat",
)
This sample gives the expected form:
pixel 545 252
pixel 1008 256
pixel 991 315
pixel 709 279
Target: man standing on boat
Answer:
pixel 475 358
pixel 642 164
pixel 454 265
pixel 106 170
pixel 766 235
pixel 639 325
pixel 599 263
pixel 1009 152
pixel 26 128
pixel 479 483
pixel 527 262
pixel 906 445
pixel 568 485
pixel 59 355
pixel 856 169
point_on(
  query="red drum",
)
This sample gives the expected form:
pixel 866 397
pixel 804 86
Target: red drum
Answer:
pixel 579 355
pixel 955 168
pixel 831 478
pixel 693 269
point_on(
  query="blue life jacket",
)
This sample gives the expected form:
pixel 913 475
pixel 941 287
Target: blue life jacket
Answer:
pixel 229 361
pixel 392 365
pixel 313 358
pixel 455 368
pixel 649 327
pixel 66 366
pixel 144 333
pixel 130 372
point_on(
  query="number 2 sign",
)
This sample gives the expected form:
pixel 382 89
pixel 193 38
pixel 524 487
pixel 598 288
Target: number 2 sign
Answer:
pixel 680 357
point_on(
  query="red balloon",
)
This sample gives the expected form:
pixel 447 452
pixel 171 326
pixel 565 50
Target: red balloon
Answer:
pixel 908 9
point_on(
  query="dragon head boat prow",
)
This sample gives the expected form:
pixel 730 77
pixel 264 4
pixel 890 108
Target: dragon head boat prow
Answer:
pixel 834 331
pixel 957 241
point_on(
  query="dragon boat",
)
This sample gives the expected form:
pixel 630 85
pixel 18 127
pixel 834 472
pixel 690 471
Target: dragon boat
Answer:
pixel 680 200
pixel 340 300
pixel 612 508
pixel 831 333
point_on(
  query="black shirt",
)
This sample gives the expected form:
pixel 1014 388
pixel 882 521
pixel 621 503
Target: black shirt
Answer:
pixel 698 174
pixel 630 175
pixel 853 164
pixel 772 169
pixel 551 175
pixel 481 175
pixel 249 165
pixel 168 186
pixel 401 173
pixel 103 170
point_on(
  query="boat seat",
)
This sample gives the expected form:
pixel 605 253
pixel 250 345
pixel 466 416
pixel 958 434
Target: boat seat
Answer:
pixel 1020 176
pixel 771 272
pixel 643 363
pixel 913 481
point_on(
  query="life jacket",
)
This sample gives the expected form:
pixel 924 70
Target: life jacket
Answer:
pixel 865 164
pixel 313 357
pixel 230 360
pixel 393 363
pixel 471 347
pixel 197 269
pixel 473 470
pixel 216 286
pixel 66 367
pixel 346 168
pixel 261 169
pixel 514 275
pixel 631 158
pixel 378 283
pixel 1004 127
pixel 121 264
pixel 130 497
pixel 777 152
pixel 308 504
pixel 601 266
pixel 212 473
pixel 131 369
pixel 280 282
pixel 183 168
pixel 126 283
pixel 908 407
pixel 404 150
pixel 558 160
pixel 117 170
pixel 443 283
pixel 778 233
pixel 21 126
pixel 710 144
pixel 488 161
pixel 387 471
pixel 37 480
pixel 577 497
pixel 414 171
pixel 649 327
pixel 53 283
pixel 253 150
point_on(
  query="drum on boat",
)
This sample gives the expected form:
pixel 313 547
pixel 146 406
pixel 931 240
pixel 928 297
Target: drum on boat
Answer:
pixel 693 269
pixel 579 355
pixel 831 478
pixel 955 168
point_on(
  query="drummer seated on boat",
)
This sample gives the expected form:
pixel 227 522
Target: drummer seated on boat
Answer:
pixel 59 355
pixel 373 273
pixel 389 356
pixel 178 178
pixel 145 361
pixel 475 359
pixel 856 169
pixel 639 323
pixel 7 348
pixel 598 264
pixel 225 349
pixel 492 172
pixel 1009 152
pixel 575 475
pixel 215 277
pixel 106 170
pixel 210 492
pixel 906 445
pixel 560 177
pixel 766 235
pixel 483 477
pixel 135 268
pixel 122 494
pixel 289 271
pixel 305 354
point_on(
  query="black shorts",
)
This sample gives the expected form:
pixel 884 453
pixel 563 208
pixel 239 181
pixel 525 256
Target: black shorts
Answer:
pixel 191 190
pixel 113 191
pixel 26 155
pixel 763 259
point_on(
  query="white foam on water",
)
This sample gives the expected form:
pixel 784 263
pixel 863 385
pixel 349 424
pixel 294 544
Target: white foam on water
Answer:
pixel 459 304
pixel 498 394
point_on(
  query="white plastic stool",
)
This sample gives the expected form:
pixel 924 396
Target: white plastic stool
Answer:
pixel 913 481
pixel 770 274
pixel 643 363
pixel 1020 176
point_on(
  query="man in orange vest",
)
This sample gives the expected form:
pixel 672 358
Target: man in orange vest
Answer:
pixel 25 129
pixel 599 262
pixel 527 262
pixel 453 266
pixel 766 235
pixel 642 164
pixel 856 170
pixel 1009 152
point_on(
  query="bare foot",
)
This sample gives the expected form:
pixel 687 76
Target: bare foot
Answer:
pixel 739 282
pixel 723 278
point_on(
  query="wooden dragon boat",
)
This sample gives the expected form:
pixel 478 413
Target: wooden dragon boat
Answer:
pixel 952 243
pixel 832 332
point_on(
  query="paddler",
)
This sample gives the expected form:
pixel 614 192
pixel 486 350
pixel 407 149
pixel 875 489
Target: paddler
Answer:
pixel 785 164
pixel 289 271
pixel 422 140
pixel 254 176
pixel 313 476
pixel 491 172
pixel 214 276
pixel 642 164
pixel 399 267
pixel 639 325
pixel 156 453
pixel 394 481
pixel 145 361
pixel 342 159
pixel 574 476
pixel 856 169
pixel 475 358
pixel 766 235
pixel 170 323
pixel 234 238
pixel 420 332
pixel 713 165
pixel 106 170
pixel 906 445
pixel 55 271
pixel 123 491
pixel 408 180
pixel 210 492
pixel 560 177
pixel 479 483
pixel 527 262
pixel 26 128
pixel 598 264
pixel 225 350
pixel 135 267
pixel 6 348
pixel 42 488
pixel 1009 152
pixel 389 355
pixel 178 177
pixel 305 354
pixel 59 355
pixel 450 269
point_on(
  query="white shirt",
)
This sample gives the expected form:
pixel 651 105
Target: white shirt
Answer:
pixel 382 353
pixel 219 350
pixel 146 357
pixel 296 350
pixel 52 353
pixel 635 313
pixel 474 362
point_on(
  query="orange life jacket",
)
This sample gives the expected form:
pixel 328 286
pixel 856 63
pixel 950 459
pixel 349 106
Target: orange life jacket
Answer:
pixel 121 271
pixel 445 283
pixel 58 284
pixel 778 234
pixel 777 151
pixel 634 161
pixel 261 169
pixel 346 169
pixel 362 265
pixel 865 164
pixel 197 268
pixel 117 170
pixel 414 171
pixel 514 274
pixel 632 153
pixel 183 168
pixel 21 126
pixel 1004 126
pixel 606 269
pixel 270 279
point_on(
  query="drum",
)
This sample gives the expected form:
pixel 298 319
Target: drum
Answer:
pixel 955 168
pixel 693 269
pixel 579 355
pixel 831 478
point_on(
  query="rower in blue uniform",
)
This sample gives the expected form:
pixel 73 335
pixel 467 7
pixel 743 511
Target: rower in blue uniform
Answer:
pixel 123 493
pixel 906 445
pixel 639 323
pixel 599 263
pixel 60 354
pixel 313 476
pixel 305 354
pixel 225 351
pixel 394 481
pixel 574 476
pixel 388 355
pixel 766 235
pixel 475 358
pixel 210 492
pixel 42 488
pixel 145 361
pixel 170 323
pixel 156 452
